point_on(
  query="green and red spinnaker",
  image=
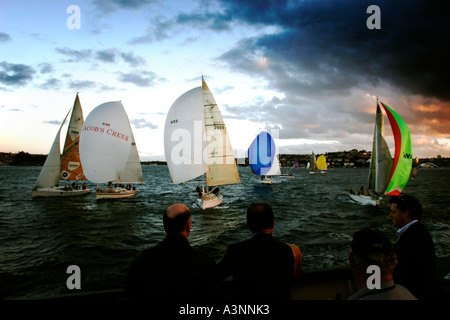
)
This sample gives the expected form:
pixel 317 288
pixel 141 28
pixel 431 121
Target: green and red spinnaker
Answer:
pixel 402 165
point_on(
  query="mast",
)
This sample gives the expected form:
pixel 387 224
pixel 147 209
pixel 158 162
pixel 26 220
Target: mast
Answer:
pixel 381 162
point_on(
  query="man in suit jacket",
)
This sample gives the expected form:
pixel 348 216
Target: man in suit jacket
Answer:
pixel 173 270
pixel 262 267
pixel 416 269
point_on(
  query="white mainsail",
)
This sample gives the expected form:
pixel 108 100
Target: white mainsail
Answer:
pixel 49 175
pixel 313 163
pixel 196 141
pixel 381 162
pixel 221 161
pixel 183 137
pixel 105 142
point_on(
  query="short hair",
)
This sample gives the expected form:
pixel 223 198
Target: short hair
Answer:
pixel 260 216
pixel 406 202
pixel 372 247
pixel 176 224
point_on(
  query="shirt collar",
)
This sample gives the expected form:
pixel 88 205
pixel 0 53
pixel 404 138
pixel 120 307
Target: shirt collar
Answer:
pixel 366 291
pixel 405 227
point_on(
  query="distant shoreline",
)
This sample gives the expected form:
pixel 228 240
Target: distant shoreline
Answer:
pixel 340 159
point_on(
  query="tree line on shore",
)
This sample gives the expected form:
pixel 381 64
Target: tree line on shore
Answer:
pixel 340 159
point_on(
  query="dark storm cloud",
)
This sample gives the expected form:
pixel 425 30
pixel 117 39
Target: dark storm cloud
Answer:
pixel 15 74
pixel 325 46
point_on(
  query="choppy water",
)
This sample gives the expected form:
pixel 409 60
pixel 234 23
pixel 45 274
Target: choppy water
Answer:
pixel 41 237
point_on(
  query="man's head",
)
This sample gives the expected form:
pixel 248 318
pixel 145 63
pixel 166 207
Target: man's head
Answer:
pixel 404 209
pixel 260 217
pixel 177 219
pixel 372 247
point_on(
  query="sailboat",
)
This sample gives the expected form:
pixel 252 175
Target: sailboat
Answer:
pixel 313 164
pixel 108 151
pixel 322 164
pixel 289 174
pixel 387 175
pixel 263 158
pixel 196 144
pixel 66 167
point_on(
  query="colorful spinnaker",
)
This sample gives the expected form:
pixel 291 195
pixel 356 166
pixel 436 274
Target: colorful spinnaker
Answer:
pixel 261 154
pixel 387 175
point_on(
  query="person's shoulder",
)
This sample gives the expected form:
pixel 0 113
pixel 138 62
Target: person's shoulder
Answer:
pixel 418 228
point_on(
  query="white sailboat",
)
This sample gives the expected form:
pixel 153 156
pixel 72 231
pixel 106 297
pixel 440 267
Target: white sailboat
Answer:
pixel 196 143
pixel 66 166
pixel 289 174
pixel 274 171
pixel 108 151
pixel 387 175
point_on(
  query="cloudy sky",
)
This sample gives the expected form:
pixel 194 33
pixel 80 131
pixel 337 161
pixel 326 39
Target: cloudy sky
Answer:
pixel 309 71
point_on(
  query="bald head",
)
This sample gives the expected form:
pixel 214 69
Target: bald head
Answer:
pixel 177 219
pixel 175 210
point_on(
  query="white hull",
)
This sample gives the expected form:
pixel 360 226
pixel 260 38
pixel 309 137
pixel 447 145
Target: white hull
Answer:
pixel 209 201
pixel 58 192
pixel 365 200
pixel 267 180
pixel 287 176
pixel 115 193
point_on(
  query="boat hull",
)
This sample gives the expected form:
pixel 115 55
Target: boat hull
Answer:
pixel 364 200
pixel 115 194
pixel 267 180
pixel 209 201
pixel 58 192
